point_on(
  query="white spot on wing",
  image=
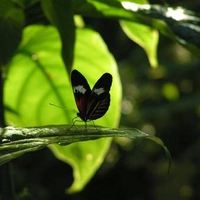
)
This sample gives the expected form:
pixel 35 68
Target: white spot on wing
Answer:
pixel 99 91
pixel 80 89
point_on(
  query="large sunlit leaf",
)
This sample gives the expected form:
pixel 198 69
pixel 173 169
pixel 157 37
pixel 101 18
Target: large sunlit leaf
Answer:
pixel 37 77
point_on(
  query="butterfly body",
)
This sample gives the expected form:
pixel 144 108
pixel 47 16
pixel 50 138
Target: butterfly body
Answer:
pixel 92 104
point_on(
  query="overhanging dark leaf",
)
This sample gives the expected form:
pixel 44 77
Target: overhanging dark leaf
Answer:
pixel 177 23
pixel 11 24
pixel 183 24
pixel 60 13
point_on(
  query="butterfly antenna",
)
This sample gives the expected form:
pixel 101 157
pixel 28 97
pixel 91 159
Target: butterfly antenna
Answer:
pixel 58 106
pixel 75 111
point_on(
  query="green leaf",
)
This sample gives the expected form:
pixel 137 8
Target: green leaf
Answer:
pixel 37 77
pixel 176 23
pixel 144 36
pixel 179 24
pixel 11 24
pixel 104 8
pixel 17 141
pixel 60 13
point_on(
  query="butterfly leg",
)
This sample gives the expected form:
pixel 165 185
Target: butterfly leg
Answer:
pixel 73 122
pixel 86 127
pixel 95 126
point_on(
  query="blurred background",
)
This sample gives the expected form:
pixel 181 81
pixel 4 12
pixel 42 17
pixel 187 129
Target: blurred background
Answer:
pixel 163 101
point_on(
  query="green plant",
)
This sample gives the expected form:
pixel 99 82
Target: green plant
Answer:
pixel 36 61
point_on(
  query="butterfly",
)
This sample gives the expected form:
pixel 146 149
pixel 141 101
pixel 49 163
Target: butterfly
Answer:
pixel 92 104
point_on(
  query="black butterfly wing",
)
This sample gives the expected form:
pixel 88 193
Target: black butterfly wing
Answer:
pixel 99 100
pixel 82 91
